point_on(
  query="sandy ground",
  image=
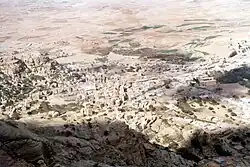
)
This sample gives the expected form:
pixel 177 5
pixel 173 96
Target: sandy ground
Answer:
pixel 70 70
pixel 42 22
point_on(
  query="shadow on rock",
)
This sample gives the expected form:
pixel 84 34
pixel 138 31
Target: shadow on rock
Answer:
pixel 239 75
pixel 102 144
pixel 228 147
pixel 107 144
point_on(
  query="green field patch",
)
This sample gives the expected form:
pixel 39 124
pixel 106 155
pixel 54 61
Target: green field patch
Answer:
pixel 196 23
pixel 212 37
pixel 152 27
pixel 200 28
pixel 109 33
pixel 113 40
pixel 169 51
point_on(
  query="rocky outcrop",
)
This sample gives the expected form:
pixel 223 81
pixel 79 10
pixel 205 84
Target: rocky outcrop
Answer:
pixel 103 144
pixel 18 143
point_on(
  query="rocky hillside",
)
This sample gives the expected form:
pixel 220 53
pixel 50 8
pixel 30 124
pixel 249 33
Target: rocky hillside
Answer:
pixel 150 112
pixel 124 83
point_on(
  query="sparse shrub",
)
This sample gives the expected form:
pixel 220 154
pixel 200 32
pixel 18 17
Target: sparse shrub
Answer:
pixel 233 114
pixel 210 108
pixel 223 106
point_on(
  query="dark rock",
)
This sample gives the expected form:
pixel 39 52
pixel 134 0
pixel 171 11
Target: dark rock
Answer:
pixel 232 54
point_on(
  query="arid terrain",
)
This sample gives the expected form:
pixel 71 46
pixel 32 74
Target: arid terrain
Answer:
pixel 105 83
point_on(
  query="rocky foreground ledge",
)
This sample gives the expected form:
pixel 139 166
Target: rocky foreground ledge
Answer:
pixel 150 112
